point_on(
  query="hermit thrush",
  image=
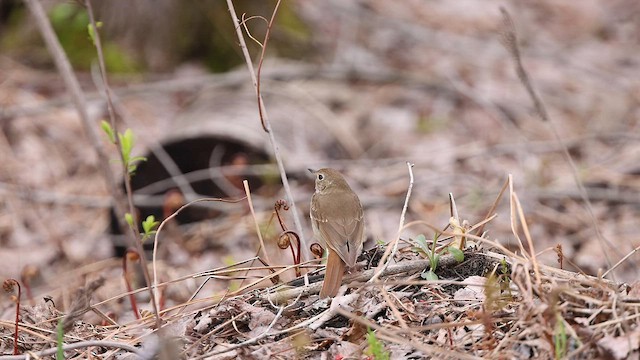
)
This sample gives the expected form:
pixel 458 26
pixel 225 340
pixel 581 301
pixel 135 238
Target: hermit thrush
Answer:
pixel 337 220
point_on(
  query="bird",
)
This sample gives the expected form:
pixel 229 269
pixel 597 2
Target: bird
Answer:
pixel 337 219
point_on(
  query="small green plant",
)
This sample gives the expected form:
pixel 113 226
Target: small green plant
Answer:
pixel 560 338
pixel 149 226
pixel 59 340
pixel 376 347
pixel 127 141
pixel 505 278
pixel 430 253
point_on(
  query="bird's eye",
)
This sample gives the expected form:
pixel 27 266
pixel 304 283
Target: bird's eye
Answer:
pixel 320 177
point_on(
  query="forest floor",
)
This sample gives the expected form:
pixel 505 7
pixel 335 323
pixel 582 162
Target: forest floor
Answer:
pixel 542 274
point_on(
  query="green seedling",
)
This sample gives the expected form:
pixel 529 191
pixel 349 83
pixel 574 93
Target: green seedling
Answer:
pixel 59 340
pixel 127 142
pixel 376 347
pixel 560 338
pixel 149 226
pixel 430 253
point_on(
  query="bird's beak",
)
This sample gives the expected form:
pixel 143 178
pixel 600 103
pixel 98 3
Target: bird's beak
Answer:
pixel 312 171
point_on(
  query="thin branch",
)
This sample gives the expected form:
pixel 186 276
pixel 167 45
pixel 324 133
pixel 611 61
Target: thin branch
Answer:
pixel 527 235
pixel 265 119
pixel 255 221
pixel 261 108
pixel 77 345
pixel 493 208
pixel 612 268
pixel 393 247
pixel 246 30
pixel 125 171
pixel 73 86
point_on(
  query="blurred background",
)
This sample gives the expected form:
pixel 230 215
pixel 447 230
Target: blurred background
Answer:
pixel 360 86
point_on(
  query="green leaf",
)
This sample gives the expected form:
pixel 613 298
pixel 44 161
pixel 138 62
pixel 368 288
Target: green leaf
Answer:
pixel 504 267
pixel 421 241
pixel 106 127
pixel 149 224
pixel 434 259
pixel 92 32
pixel 133 164
pixel 126 143
pixel 138 159
pixel 129 218
pixel 458 255
pixel 560 338
pixel 429 275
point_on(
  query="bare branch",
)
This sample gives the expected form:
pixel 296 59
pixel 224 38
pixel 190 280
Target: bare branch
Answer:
pixel 393 247
pixel 266 124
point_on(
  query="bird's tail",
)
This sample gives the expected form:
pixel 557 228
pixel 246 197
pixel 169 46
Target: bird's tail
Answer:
pixel 333 275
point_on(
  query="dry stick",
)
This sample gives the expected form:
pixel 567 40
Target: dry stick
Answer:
pixel 492 210
pixel 512 217
pixel 612 268
pixel 272 276
pixel 125 171
pixel 77 345
pixel 527 235
pixel 245 183
pixel 262 247
pixel 394 310
pixel 71 82
pixel 510 41
pixel 392 248
pixel 265 119
pixel 337 302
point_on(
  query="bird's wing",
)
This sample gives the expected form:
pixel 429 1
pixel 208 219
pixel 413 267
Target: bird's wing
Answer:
pixel 344 230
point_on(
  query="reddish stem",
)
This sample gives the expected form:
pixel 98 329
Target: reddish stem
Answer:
pixel 296 256
pixel 8 287
pixel 282 204
pixel 132 298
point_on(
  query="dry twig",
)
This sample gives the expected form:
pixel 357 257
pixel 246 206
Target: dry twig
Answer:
pixel 265 118
pixel 393 247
